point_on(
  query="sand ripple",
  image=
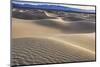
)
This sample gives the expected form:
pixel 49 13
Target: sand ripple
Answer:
pixel 27 51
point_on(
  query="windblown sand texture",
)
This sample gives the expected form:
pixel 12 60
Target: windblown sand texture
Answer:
pixel 51 37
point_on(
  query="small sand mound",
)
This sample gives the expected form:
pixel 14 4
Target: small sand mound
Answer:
pixel 34 50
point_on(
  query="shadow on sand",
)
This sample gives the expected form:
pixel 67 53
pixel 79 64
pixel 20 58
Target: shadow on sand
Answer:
pixel 30 16
pixel 72 27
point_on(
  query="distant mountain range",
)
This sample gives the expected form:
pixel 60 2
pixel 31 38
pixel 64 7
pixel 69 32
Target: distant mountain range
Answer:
pixel 46 6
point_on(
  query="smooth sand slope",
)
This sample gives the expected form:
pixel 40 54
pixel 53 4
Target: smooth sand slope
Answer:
pixel 51 41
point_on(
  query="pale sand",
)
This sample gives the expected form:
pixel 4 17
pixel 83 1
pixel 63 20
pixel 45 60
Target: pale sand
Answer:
pixel 36 43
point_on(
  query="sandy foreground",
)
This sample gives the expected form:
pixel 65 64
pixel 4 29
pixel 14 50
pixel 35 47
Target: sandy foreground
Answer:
pixel 51 41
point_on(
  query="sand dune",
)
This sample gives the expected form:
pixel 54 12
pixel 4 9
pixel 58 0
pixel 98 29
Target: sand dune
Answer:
pixel 51 26
pixel 41 14
pixel 30 14
pixel 52 41
pixel 27 51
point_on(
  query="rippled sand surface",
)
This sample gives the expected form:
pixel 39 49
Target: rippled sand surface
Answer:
pixel 55 40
